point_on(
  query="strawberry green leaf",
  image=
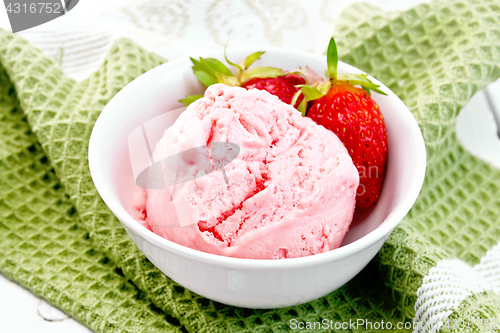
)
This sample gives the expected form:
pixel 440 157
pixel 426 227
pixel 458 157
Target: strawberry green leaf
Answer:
pixel 303 107
pixel 196 63
pixel 261 72
pixel 361 80
pixel 218 66
pixel 295 97
pixel 354 77
pixel 205 78
pixel 332 59
pixel 227 80
pixel 201 65
pixel 190 99
pixel 324 87
pixel 378 91
pixel 311 93
pixel 252 58
pixel 203 71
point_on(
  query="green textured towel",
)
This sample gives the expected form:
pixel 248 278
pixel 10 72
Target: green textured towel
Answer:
pixel 60 240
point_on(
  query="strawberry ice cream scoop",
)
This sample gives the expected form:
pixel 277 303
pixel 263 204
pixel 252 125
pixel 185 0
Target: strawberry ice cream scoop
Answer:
pixel 290 192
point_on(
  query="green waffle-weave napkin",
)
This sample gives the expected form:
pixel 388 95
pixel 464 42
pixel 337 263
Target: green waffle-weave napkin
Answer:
pixel 60 240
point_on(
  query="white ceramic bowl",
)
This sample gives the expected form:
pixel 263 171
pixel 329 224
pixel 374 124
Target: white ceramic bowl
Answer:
pixel 248 282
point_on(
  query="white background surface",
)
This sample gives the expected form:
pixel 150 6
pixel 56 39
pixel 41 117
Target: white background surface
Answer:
pixel 83 36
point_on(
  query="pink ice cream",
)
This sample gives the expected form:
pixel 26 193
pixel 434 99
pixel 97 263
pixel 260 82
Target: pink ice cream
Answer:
pixel 290 192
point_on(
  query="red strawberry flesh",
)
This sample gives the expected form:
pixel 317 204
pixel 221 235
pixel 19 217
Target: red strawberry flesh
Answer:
pixel 281 86
pixel 355 118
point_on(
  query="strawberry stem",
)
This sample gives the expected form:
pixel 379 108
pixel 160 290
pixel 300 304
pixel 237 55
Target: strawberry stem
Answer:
pixel 332 59
pixel 239 69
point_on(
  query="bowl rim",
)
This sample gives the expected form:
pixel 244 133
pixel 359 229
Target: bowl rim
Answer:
pixel 383 230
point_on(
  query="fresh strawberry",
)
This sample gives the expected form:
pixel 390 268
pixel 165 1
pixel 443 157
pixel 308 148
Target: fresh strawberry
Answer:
pixel 274 80
pixel 282 86
pixel 355 118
